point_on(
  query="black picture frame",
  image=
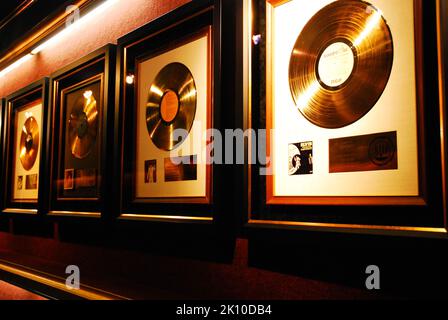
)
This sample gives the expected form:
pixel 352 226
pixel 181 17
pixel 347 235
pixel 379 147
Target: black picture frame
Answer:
pixel 442 45
pixel 37 91
pixel 2 152
pixel 97 68
pixel 427 219
pixel 153 38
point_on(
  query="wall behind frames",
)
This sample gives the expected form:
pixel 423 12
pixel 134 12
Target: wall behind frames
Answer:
pixel 116 21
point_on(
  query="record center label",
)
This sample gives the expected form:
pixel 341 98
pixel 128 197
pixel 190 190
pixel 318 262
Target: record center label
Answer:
pixel 336 64
pixel 169 107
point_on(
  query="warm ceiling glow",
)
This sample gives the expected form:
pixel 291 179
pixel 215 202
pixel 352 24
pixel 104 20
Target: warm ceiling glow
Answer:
pixel 68 29
pixel 15 65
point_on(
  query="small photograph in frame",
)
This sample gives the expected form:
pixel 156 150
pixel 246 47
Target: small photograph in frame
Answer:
pixel 19 182
pixel 151 171
pixel 69 179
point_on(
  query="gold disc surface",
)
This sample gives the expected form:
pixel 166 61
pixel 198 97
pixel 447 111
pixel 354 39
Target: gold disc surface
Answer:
pixel 29 143
pixel 341 63
pixel 171 105
pixel 83 125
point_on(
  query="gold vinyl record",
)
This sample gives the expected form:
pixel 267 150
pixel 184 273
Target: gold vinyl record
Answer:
pixel 341 63
pixel 83 125
pixel 171 105
pixel 29 143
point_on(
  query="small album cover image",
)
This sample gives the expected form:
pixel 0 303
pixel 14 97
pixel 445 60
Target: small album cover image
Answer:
pixel 31 182
pixel 19 182
pixel 69 179
pixel 300 158
pixel 151 171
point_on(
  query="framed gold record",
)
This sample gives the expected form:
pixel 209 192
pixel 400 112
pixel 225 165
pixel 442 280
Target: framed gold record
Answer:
pixel 174 111
pixel 345 104
pixel 340 82
pixel 25 148
pixel 170 86
pixel 80 152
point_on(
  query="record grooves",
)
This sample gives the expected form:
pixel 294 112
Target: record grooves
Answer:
pixel 171 105
pixel 341 63
pixel 83 125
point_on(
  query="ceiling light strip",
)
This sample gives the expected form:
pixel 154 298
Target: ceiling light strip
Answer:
pixel 106 4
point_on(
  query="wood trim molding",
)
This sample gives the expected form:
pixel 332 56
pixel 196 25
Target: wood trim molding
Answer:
pixel 56 283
